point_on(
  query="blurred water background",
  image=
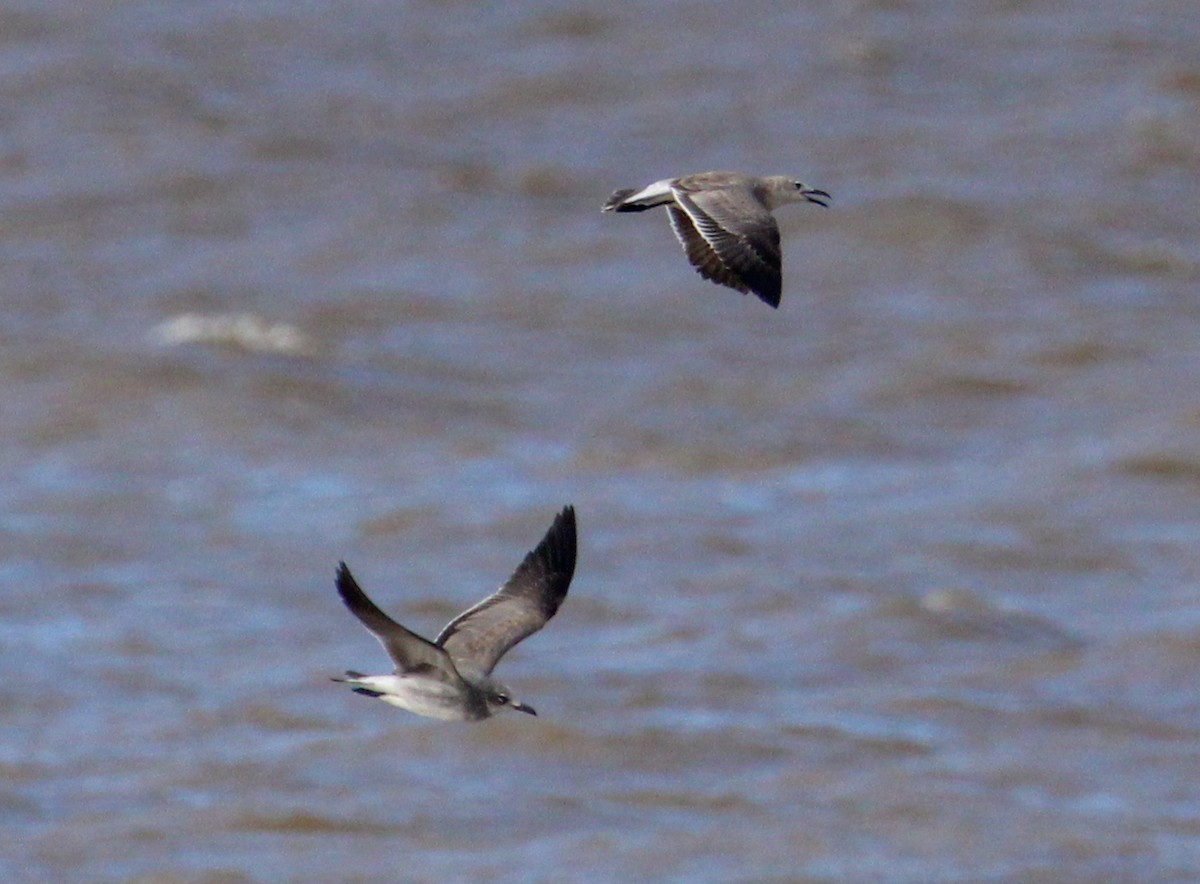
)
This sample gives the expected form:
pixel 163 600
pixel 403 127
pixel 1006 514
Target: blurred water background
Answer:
pixel 900 582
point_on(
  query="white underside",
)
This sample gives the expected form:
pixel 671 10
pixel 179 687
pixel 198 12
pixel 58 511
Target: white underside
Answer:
pixel 417 693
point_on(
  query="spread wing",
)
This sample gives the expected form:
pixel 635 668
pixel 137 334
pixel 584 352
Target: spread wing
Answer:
pixel 408 651
pixel 477 638
pixel 701 255
pixel 730 238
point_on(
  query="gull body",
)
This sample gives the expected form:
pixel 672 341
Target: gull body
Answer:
pixel 724 222
pixel 450 677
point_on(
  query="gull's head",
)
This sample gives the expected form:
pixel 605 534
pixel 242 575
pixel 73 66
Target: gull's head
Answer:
pixel 788 190
pixel 500 697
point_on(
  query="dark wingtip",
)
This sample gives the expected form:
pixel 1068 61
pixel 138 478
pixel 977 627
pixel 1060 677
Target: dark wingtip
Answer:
pixel 554 559
pixel 344 580
pixel 350 592
pixel 562 542
pixel 770 298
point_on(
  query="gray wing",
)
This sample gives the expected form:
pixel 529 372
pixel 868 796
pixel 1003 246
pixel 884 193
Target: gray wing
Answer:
pixel 408 651
pixel 741 237
pixel 701 255
pixel 714 181
pixel 477 638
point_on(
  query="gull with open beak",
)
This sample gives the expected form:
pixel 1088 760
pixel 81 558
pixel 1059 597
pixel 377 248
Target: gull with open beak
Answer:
pixel 724 221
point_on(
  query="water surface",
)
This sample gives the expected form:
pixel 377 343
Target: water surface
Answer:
pixel 900 582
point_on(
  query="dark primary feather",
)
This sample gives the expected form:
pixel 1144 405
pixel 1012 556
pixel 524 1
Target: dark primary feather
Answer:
pixel 480 636
pixel 408 650
pixel 700 254
pixel 743 240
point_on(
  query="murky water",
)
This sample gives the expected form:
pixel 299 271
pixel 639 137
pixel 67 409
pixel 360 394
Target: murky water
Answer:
pixel 900 582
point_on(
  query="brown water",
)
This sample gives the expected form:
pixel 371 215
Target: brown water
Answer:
pixel 898 583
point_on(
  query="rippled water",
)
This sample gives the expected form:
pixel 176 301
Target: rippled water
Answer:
pixel 900 582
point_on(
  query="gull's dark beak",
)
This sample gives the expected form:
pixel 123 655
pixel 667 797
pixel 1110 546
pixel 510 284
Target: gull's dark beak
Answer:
pixel 521 707
pixel 819 197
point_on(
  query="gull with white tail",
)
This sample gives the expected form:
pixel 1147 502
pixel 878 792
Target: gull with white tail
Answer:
pixel 724 221
pixel 450 677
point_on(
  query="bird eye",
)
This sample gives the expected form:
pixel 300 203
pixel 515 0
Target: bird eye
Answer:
pixel 798 185
pixel 502 699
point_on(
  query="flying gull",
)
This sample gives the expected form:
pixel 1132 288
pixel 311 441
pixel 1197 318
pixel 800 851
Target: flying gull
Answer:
pixel 450 677
pixel 725 223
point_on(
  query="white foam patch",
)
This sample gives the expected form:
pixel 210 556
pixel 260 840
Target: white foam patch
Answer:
pixel 242 330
